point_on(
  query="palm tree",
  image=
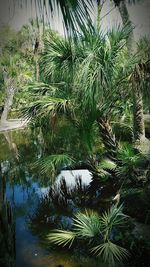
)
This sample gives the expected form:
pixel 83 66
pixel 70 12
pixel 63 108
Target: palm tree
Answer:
pixel 97 231
pixel 84 68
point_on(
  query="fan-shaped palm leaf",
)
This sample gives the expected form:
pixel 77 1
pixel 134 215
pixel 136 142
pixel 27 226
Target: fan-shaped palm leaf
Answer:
pixel 53 163
pixel 58 57
pixel 107 164
pixel 87 225
pixel 62 238
pixel 111 218
pixel 129 156
pixel 91 226
pixel 110 252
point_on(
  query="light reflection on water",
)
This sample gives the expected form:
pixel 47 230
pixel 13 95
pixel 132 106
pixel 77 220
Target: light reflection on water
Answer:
pixel 24 196
pixel 70 176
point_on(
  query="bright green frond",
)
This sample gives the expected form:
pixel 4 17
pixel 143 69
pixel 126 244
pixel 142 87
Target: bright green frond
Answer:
pixel 112 217
pixel 107 164
pixel 110 252
pixel 87 225
pixel 62 238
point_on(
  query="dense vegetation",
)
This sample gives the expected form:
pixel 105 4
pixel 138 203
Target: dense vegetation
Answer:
pixel 86 95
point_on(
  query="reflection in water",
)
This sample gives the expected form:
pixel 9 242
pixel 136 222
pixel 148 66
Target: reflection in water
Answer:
pixel 11 144
pixel 24 187
pixel 70 176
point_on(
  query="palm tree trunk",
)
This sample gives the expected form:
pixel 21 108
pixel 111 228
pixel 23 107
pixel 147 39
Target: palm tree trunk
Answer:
pixel 10 91
pixel 138 116
pixel 108 138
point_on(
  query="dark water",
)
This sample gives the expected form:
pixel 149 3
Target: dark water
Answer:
pixel 18 150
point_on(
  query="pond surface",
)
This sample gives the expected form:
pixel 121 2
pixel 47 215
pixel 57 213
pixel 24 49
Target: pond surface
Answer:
pixel 18 150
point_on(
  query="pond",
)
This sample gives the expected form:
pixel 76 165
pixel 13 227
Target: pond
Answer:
pixel 18 150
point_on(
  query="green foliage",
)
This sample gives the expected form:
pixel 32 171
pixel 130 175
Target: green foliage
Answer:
pixel 46 107
pixel 87 225
pixel 91 226
pixel 129 156
pixel 112 218
pixel 51 164
pixel 62 238
pixel 110 252
pixel 123 131
pixel 107 164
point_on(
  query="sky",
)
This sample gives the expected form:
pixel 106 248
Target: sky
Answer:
pixel 139 14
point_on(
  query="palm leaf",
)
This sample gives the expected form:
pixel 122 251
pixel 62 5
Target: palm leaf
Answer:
pixel 87 224
pixel 58 57
pixel 46 107
pixel 62 238
pixel 111 218
pixel 107 164
pixel 73 12
pixel 110 252
pixel 53 163
pixel 129 155
pixel 42 88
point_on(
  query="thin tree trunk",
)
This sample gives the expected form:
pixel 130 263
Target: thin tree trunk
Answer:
pixel 37 68
pixel 108 138
pixel 138 116
pixel 36 58
pixel 10 91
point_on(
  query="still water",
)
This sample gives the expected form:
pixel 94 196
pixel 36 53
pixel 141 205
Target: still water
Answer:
pixel 18 150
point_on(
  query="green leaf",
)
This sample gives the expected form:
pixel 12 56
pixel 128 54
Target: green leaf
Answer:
pixel 110 252
pixel 62 238
pixel 87 224
pixel 53 163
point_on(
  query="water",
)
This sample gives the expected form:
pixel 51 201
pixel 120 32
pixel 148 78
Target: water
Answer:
pixel 18 150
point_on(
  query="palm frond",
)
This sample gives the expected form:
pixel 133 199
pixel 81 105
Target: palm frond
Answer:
pixel 110 252
pixel 62 238
pixel 53 163
pixel 87 225
pixel 107 164
pixel 104 168
pixel 46 107
pixel 58 57
pixel 123 130
pixel 97 69
pixel 129 155
pixel 73 12
pixel 43 88
pixel 91 226
pixel 111 218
